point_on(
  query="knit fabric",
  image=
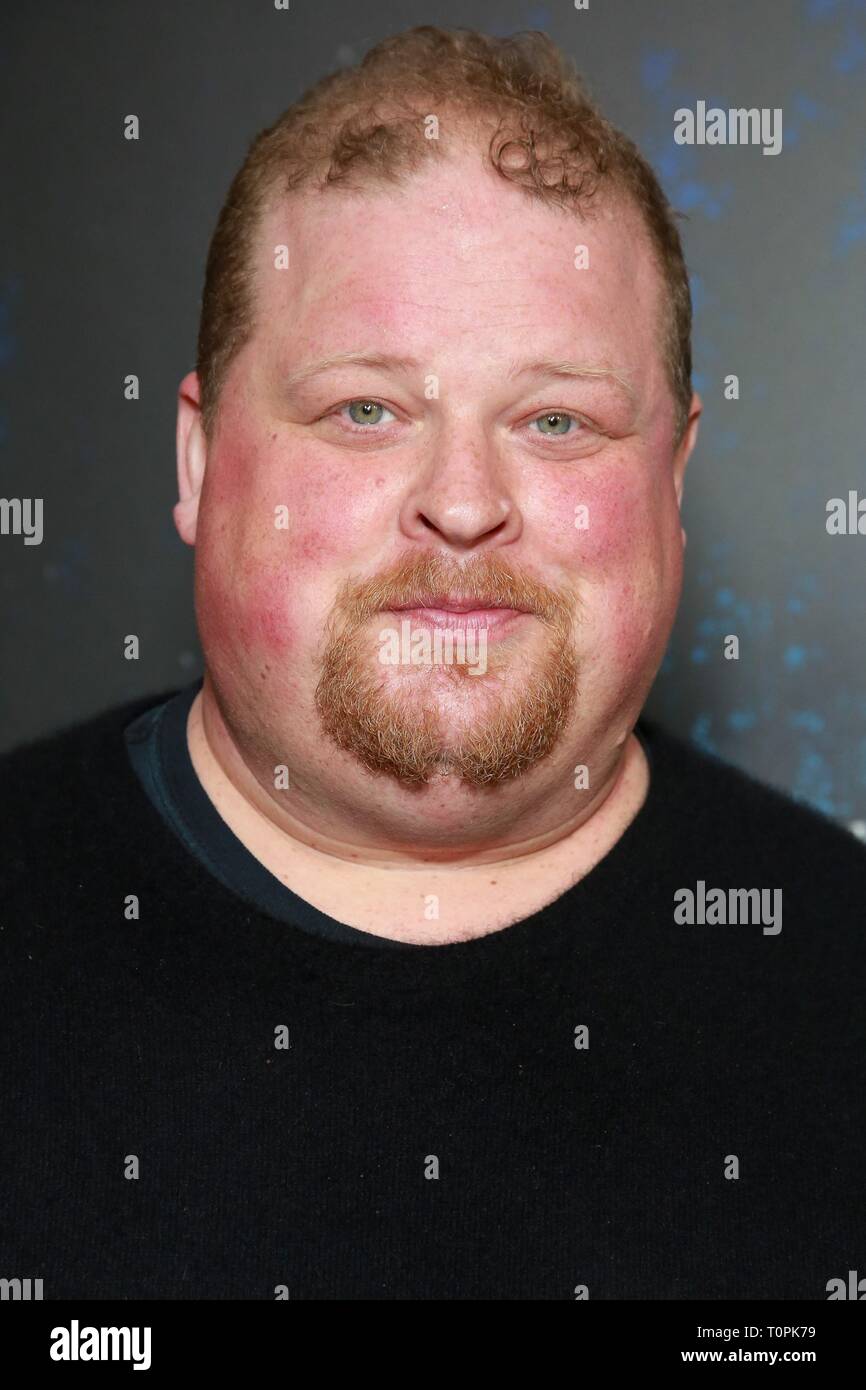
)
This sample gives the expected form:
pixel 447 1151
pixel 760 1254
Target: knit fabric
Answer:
pixel 208 1101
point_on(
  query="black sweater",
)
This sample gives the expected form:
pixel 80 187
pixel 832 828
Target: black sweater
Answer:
pixel 598 1101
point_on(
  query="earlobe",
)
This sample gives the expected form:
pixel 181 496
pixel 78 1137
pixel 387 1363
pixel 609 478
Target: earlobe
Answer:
pixel 191 458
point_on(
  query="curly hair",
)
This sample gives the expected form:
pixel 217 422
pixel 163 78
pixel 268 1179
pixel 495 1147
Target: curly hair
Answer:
pixel 366 124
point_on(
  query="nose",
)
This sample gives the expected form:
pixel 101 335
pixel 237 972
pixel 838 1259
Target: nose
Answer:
pixel 462 496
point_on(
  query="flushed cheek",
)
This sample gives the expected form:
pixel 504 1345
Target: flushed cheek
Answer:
pixel 281 499
pixel 288 577
pixel 244 608
pixel 282 589
pixel 627 567
pixel 619 644
pixel 258 572
pixel 607 521
pixel 267 623
pixel 627 620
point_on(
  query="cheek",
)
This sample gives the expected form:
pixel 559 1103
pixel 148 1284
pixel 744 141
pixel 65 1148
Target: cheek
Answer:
pixel 266 622
pixel 612 519
pixel 262 548
pixel 624 553
pixel 284 589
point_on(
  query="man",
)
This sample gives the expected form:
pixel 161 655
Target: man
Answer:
pixel 397 959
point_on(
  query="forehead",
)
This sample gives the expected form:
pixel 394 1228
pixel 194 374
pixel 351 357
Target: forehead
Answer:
pixel 455 251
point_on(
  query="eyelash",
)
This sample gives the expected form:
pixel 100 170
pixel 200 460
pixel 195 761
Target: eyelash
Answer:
pixel 370 400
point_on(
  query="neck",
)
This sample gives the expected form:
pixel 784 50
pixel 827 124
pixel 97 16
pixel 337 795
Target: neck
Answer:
pixel 387 888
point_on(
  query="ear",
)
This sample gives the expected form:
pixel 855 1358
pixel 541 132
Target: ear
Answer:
pixel 191 457
pixel 685 446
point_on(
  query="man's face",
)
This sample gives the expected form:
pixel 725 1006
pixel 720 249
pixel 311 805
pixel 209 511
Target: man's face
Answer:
pixel 452 483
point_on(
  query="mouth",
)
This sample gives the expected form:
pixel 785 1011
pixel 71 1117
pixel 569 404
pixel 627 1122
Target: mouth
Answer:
pixel 458 613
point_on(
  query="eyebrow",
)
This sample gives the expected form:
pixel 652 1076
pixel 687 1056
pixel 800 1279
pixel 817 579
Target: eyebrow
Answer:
pixel 389 362
pixel 385 361
pixel 554 367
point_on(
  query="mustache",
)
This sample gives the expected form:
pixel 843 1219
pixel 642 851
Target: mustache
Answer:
pixel 422 581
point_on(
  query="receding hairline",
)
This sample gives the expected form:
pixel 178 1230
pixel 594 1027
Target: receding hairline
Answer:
pixel 363 127
pixel 611 201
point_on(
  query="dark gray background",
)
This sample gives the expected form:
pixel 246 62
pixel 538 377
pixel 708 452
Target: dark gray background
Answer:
pixel 102 260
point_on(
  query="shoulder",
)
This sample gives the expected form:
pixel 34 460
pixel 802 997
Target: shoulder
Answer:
pixel 716 829
pixel 76 750
pixel 709 801
pixel 760 896
pixel 77 830
pixel 62 790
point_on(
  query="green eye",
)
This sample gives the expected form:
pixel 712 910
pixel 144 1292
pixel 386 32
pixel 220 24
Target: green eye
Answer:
pixel 368 412
pixel 557 420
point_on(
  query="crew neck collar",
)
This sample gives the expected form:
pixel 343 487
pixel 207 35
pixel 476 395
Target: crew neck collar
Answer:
pixel 335 946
